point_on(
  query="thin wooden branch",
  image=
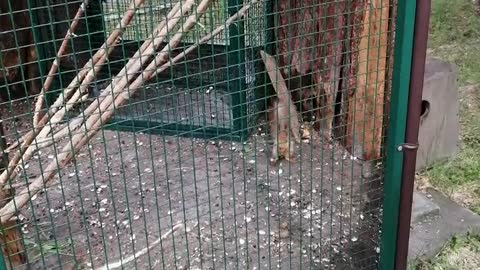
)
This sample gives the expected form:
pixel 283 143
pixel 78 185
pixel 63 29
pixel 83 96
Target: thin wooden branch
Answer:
pixel 143 54
pixel 72 147
pixel 86 131
pixel 240 13
pixel 26 150
pixel 175 40
pixel 122 262
pixel 59 115
pixel 75 123
pixel 134 64
pixel 147 49
pixel 62 133
pixel 54 67
pixel 118 96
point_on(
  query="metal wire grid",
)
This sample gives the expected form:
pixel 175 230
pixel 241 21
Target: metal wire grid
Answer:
pixel 126 191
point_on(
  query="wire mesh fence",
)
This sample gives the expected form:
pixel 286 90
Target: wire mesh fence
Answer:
pixel 194 134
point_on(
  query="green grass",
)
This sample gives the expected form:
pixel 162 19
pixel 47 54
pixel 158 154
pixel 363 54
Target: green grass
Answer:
pixel 37 249
pixel 455 37
pixel 460 253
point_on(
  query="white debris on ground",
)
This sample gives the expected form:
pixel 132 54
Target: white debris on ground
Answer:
pixel 126 190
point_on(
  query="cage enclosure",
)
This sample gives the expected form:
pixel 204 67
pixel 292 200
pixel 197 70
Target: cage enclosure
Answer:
pixel 215 91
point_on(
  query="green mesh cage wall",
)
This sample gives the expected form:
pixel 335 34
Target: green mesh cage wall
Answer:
pixel 216 91
pixel 137 200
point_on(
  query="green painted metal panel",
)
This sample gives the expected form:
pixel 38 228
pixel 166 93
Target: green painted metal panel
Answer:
pixel 396 130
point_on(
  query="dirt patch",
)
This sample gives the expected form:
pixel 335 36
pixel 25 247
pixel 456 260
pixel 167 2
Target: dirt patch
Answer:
pixel 125 190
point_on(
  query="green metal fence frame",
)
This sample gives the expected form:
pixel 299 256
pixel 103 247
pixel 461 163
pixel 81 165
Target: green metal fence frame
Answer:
pixel 3 265
pixel 404 37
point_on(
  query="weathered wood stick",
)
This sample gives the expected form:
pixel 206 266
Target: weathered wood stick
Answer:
pixel 54 67
pixel 86 132
pixel 143 54
pixel 69 150
pixel 26 150
pixel 76 122
pixel 240 13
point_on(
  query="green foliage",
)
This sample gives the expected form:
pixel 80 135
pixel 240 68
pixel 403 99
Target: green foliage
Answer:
pixel 37 249
pixel 461 170
pixel 455 35
pixel 453 21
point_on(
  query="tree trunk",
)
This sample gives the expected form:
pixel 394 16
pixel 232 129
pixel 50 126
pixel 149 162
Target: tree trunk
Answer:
pixel 367 78
pixel 342 45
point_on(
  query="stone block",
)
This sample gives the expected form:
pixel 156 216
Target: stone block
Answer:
pixel 428 237
pixel 439 123
pixel 423 208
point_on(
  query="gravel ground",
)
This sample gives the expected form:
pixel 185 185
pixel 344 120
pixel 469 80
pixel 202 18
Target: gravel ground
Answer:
pixel 125 190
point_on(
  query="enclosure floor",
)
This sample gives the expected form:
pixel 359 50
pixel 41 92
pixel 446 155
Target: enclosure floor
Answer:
pixel 126 190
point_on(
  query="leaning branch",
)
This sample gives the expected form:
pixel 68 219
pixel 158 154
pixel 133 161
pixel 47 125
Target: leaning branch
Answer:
pixel 27 149
pixel 100 112
pixel 54 67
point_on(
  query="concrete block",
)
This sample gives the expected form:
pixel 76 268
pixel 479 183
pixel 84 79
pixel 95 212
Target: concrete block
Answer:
pixel 423 209
pixel 439 124
pixel 428 237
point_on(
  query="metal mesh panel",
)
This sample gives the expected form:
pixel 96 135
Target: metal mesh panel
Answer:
pixel 202 93
pixel 162 181
pixel 155 11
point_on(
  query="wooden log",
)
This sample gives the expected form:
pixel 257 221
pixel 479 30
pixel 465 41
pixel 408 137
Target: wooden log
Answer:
pixel 367 77
pixel 310 36
pixel 11 244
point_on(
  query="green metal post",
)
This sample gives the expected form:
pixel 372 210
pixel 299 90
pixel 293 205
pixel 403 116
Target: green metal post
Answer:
pixel 235 62
pixel 404 32
pixel 3 266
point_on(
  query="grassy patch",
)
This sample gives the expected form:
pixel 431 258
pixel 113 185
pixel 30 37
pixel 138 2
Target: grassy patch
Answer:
pixel 455 37
pixel 461 253
pixel 38 249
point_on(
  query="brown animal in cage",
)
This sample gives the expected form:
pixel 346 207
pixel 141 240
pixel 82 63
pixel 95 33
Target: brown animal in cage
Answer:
pixel 283 146
pixel 282 115
pixel 17 50
pixel 310 36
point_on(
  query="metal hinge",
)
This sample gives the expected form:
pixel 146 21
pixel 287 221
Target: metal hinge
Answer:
pixel 407 146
